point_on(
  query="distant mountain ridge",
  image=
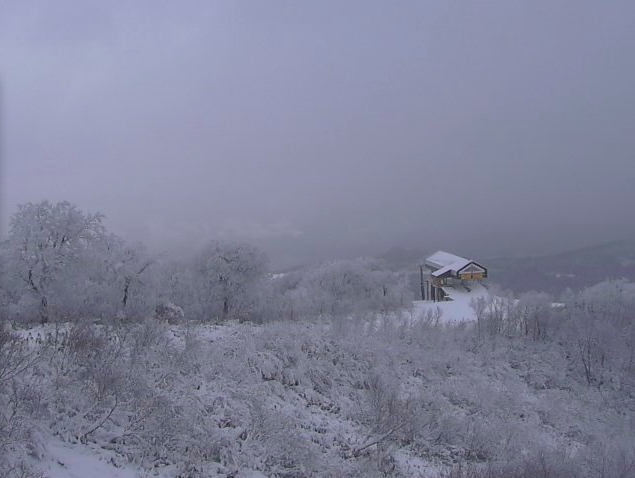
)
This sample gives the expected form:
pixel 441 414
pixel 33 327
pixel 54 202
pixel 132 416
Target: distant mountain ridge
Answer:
pixel 575 269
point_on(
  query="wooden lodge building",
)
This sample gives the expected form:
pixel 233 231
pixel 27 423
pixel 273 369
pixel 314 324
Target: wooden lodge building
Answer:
pixel 443 269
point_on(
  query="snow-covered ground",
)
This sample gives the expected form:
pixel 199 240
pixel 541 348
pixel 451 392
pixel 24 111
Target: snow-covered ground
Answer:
pixel 339 398
pixel 456 310
pixel 65 460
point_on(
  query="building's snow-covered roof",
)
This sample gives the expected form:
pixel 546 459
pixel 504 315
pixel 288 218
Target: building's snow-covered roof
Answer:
pixel 446 261
pixel 442 271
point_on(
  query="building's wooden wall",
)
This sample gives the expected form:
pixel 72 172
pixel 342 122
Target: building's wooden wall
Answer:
pixel 472 276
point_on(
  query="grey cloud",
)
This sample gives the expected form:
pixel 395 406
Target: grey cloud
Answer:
pixel 492 129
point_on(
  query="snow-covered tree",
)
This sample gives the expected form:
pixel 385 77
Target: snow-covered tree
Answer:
pixel 532 313
pixel 599 330
pixel 227 278
pixel 45 242
pixel 347 286
pixel 120 278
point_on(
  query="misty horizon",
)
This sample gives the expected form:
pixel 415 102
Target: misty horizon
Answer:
pixel 319 131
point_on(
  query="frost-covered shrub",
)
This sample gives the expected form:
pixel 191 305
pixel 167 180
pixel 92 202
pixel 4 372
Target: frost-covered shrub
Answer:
pixel 272 443
pixel 169 312
pixel 611 458
pixel 84 339
pixel 300 399
pixel 607 462
pixel 598 332
pixel 344 287
pixel 148 334
pixel 19 469
pixel 21 405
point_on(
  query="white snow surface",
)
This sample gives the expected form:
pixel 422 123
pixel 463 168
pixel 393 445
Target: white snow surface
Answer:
pixel 65 460
pixel 443 259
pixel 456 310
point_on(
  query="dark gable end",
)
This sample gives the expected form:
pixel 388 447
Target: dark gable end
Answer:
pixel 472 263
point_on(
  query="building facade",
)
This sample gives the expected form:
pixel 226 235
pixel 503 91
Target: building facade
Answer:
pixel 443 269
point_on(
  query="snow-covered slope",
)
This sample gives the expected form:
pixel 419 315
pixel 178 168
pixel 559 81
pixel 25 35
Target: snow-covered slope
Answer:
pixel 456 310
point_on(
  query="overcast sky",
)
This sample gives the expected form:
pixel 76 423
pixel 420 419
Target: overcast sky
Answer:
pixel 326 129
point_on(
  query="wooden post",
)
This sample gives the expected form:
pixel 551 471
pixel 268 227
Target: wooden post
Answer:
pixel 423 292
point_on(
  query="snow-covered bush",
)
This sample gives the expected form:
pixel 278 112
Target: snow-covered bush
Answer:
pixel 21 405
pixel 344 287
pixel 169 312
pixel 598 330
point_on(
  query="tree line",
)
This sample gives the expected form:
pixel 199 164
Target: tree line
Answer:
pixel 60 263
